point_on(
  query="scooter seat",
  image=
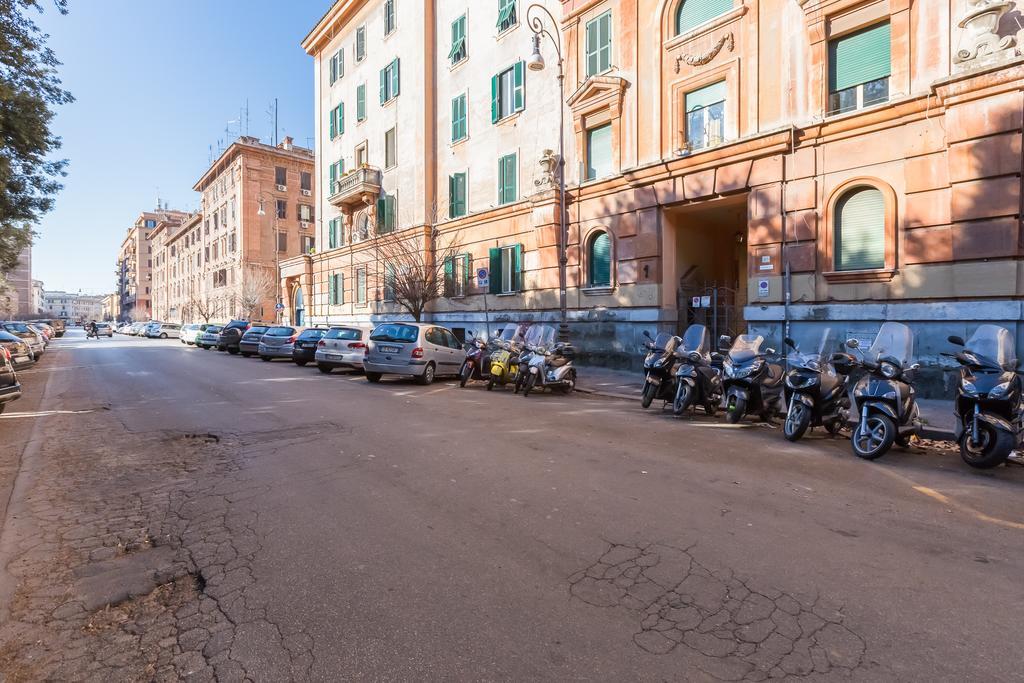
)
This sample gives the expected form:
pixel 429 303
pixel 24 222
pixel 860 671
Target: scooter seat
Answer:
pixel 774 375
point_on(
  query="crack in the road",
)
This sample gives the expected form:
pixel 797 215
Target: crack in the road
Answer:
pixel 736 628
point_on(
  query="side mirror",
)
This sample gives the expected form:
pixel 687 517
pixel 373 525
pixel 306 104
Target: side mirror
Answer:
pixel 724 342
pixel 954 339
pixel 790 343
pixel 852 344
pixel 770 351
pixel 647 334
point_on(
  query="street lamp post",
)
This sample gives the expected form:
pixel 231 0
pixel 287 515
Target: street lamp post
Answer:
pixel 260 211
pixel 536 63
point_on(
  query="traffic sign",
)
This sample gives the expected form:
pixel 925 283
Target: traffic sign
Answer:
pixel 279 307
pixel 483 277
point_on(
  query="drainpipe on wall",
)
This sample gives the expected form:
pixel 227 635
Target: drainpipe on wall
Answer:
pixel 787 277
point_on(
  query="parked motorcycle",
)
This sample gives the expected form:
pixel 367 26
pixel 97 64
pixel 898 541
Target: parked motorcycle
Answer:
pixel 988 406
pixel 884 398
pixel 477 361
pixel 698 381
pixel 505 357
pixel 816 389
pixel 752 384
pixel 659 378
pixel 551 363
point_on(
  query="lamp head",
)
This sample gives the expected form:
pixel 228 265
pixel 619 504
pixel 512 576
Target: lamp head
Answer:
pixel 260 211
pixel 536 60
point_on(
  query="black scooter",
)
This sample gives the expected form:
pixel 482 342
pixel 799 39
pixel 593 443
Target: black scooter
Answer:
pixel 884 398
pixel 988 406
pixel 477 363
pixel 659 378
pixel 816 392
pixel 698 380
pixel 752 385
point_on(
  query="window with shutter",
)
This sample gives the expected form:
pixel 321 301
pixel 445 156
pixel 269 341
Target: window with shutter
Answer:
pixel 389 16
pixel 599 152
pixel 859 65
pixel 693 13
pixel 360 43
pixel 385 214
pixel 340 116
pixel 509 269
pixel 860 230
pixel 506 14
pixel 361 102
pixel 507 171
pixel 389 82
pixel 332 233
pixel 599 256
pixel 332 123
pixel 458 50
pixel 390 148
pixel 389 282
pixel 361 286
pixel 599 44
pixel 705 116
pixel 459 128
pixel 457 195
pixel 507 92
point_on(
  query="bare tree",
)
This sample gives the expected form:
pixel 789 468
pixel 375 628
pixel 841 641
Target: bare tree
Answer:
pixel 200 306
pixel 414 268
pixel 258 285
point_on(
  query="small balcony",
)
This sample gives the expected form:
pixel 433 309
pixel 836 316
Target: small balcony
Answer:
pixel 357 188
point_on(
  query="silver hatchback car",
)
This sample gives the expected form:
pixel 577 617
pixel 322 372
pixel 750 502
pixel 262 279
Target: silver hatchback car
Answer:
pixel 278 342
pixel 344 346
pixel 421 350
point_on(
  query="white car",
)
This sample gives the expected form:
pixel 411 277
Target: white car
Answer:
pixel 189 333
pixel 163 331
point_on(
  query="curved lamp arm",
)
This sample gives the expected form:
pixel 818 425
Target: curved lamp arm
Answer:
pixel 536 24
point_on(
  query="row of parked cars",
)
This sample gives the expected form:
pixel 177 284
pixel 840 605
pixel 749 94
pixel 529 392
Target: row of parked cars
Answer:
pixel 153 329
pixel 22 344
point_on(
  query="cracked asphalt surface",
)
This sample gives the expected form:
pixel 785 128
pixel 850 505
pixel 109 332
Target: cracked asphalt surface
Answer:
pixel 179 514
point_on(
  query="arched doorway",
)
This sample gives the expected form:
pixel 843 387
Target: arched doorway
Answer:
pixel 299 318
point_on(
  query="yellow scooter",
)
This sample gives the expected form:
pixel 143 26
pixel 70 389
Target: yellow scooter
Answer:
pixel 505 357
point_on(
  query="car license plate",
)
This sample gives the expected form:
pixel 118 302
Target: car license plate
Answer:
pixel 390 349
pixel 21 359
pixel 334 356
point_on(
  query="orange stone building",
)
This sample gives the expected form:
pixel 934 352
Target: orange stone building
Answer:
pixel 762 164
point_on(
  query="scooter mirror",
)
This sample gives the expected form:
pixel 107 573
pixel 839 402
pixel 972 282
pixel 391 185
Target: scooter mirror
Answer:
pixel 647 334
pixel 790 343
pixel 852 343
pixel 724 342
pixel 954 339
pixel 770 351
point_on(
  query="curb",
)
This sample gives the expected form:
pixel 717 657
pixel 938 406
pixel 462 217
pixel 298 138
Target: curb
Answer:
pixel 929 433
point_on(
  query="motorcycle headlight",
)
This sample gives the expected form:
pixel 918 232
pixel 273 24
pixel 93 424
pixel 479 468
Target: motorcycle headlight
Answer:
pixel 971 390
pixel 814 365
pixel 888 370
pixel 1000 390
pixel 728 367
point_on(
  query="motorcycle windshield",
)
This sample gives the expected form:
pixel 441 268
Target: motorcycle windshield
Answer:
pixel 666 342
pixel 894 342
pixel 540 336
pixel 509 332
pixel 816 353
pixel 696 339
pixel 746 347
pixel 993 345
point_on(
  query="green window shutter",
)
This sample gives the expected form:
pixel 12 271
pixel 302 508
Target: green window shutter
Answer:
pixel 600 261
pixel 518 98
pixel 507 176
pixel 455 119
pixel 517 261
pixel 693 13
pixel 332 289
pixel 451 197
pixel 449 276
pixel 592 48
pixel 334 69
pixel 389 206
pixel 341 119
pixel 495 275
pixel 460 193
pixel 465 272
pixel 604 41
pixel 859 58
pixel 383 85
pixel 332 234
pixel 860 230
pixel 505 9
pixel 381 209
pixel 495 108
pixel 341 288
pixel 706 96
pixel 333 170
pixel 361 102
pixel 332 125
pixel 395 89
pixel 341 62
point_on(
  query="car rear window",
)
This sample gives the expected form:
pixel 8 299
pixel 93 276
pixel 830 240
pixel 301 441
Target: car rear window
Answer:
pixel 396 333
pixel 18 327
pixel 281 331
pixel 312 334
pixel 347 333
pixel 257 330
pixel 213 328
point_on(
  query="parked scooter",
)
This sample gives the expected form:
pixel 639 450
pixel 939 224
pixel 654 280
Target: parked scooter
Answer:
pixel 659 378
pixel 505 356
pixel 752 385
pixel 988 406
pixel 550 364
pixel 884 398
pixel 816 388
pixel 698 381
pixel 477 362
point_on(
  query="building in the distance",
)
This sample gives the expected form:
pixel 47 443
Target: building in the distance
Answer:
pixel 72 306
pixel 19 282
pixel 111 308
pixel 135 264
pixel 37 296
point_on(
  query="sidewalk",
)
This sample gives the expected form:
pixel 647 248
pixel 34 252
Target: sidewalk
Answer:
pixel 937 414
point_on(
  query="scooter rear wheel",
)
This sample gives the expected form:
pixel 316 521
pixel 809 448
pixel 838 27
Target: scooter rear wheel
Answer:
pixel 993 448
pixel 873 436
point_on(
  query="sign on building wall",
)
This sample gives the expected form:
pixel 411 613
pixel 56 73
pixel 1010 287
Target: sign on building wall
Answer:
pixel 762 288
pixel 483 279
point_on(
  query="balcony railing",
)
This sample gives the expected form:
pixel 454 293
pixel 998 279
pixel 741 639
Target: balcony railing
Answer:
pixel 356 187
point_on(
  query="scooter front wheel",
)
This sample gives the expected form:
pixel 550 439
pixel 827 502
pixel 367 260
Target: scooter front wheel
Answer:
pixel 992 449
pixel 490 383
pixel 647 397
pixel 873 436
pixel 465 373
pixel 736 410
pixel 797 420
pixel 531 379
pixel 682 402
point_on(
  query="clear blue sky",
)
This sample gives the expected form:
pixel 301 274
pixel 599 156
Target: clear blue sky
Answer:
pixel 156 82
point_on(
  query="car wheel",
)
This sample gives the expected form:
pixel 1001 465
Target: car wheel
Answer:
pixel 301 363
pixel 163 335
pixel 373 377
pixel 232 350
pixel 326 369
pixel 265 359
pixel 246 354
pixel 428 375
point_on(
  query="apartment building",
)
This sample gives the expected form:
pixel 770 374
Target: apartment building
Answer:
pixel 135 264
pixel 73 306
pixel 778 166
pixel 160 274
pixel 19 282
pixel 111 307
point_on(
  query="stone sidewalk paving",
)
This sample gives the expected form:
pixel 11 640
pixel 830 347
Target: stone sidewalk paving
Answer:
pixel 628 384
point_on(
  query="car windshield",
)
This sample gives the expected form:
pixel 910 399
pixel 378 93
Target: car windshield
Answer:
pixel 994 345
pixel 213 329
pixel 894 342
pixel 280 331
pixel 395 333
pixel 540 336
pixel 816 348
pixel 745 347
pixel 17 327
pixel 346 333
pixel 312 334
pixel 696 339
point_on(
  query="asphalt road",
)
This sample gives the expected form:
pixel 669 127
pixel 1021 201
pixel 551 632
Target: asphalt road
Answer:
pixel 423 533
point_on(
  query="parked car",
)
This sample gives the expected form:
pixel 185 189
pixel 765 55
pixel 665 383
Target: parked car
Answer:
pixel 47 331
pixel 163 331
pixel 10 389
pixel 342 347
pixel 420 350
pixel 104 330
pixel 149 328
pixel 231 336
pixel 57 324
pixel 249 344
pixel 21 353
pixel 207 339
pixel 123 328
pixel 31 337
pixel 136 329
pixel 189 333
pixel 41 331
pixel 304 349
pixel 278 342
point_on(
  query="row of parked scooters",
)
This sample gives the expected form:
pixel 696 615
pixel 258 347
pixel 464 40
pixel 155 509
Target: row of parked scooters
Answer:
pixel 818 388
pixel 527 358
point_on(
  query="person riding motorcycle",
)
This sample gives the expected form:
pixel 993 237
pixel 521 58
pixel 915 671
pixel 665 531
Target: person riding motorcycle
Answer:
pixel 92 329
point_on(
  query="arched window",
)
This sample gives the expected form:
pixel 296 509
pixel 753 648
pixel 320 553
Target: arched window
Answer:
pixel 693 13
pixel 860 229
pixel 599 260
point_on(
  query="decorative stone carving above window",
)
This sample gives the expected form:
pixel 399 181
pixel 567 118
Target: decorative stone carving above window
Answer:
pixel 726 41
pixel 980 44
pixel 595 103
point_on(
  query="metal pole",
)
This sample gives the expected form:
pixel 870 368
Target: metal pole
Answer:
pixel 563 233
